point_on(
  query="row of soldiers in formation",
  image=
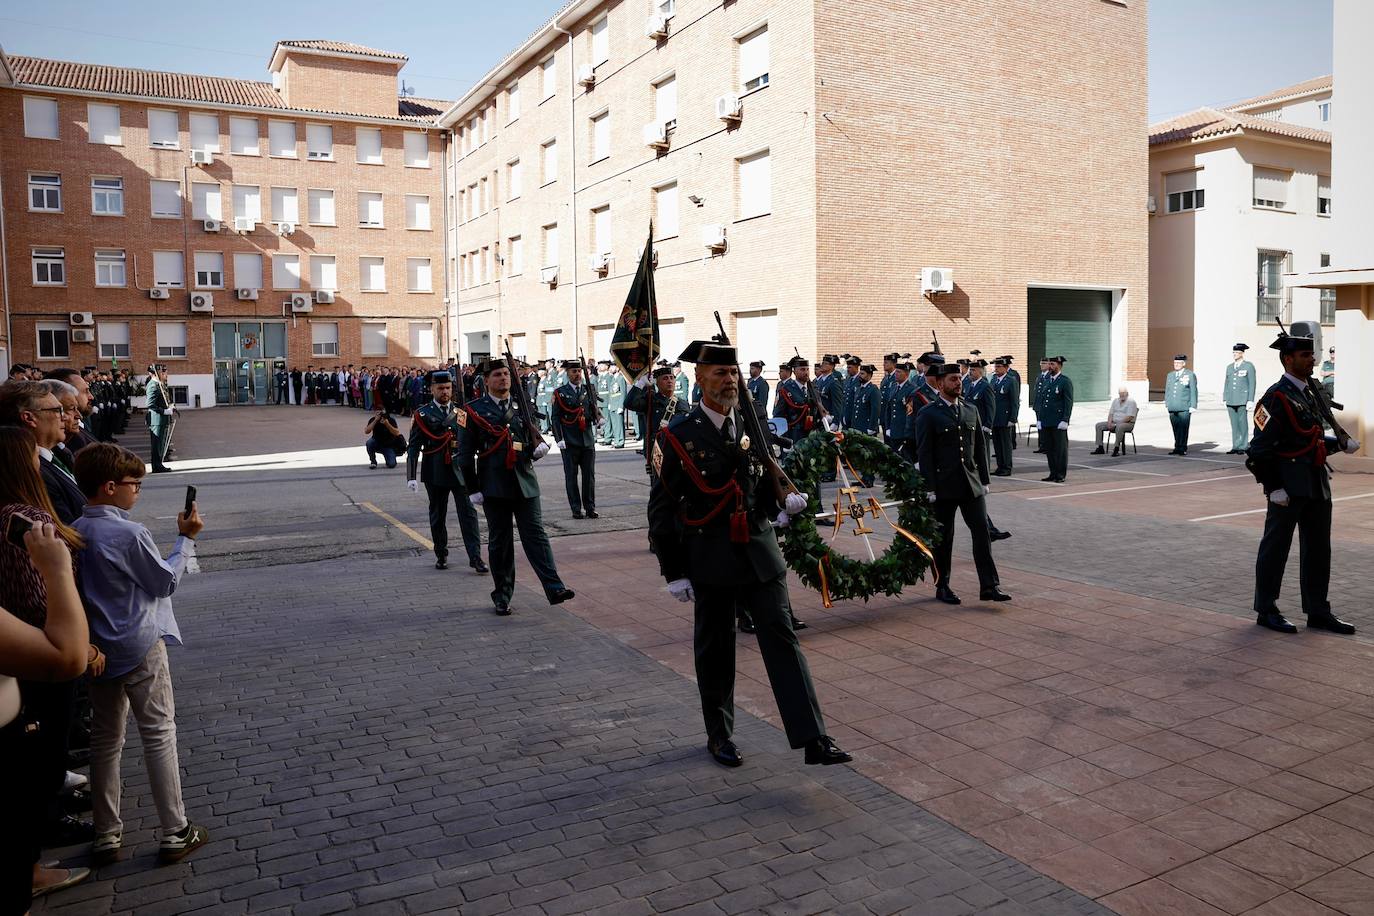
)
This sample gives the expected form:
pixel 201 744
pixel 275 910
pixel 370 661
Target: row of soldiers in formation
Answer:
pixel 111 390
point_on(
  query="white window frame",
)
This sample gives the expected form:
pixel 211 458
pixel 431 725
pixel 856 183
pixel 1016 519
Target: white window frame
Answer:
pixel 246 200
pixel 118 333
pixel 1184 200
pixel 203 143
pixel 282 274
pixel 1324 200
pixel 365 268
pixel 746 211
pixel 412 138
pixel 548 78
pixel 43 259
pixel 365 199
pixel 170 349
pixel 161 114
pixel 752 78
pixel 110 193
pixel 601 135
pixel 514 180
pixel 318 278
pixel 111 264
pixel 209 276
pixel 661 226
pixel 361 146
pixel 314 149
pixel 282 204
pixel 513 102
pixel 660 96
pixel 170 257
pixel 416 204
pixel 103 109
pixel 412 338
pixel 601 41
pixel 49 185
pixel 601 242
pixel 324 347
pixel 311 209
pixel 275 148
pixel 515 256
pixel 548 155
pixel 153 186
pixel 668 8
pixel 1324 112
pixel 242 258
pixel 56 331
pixel 371 327
pixel 550 252
pixel 236 137
pixel 36 121
pixel 414 277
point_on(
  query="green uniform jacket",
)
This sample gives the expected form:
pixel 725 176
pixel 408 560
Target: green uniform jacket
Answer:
pixel 863 406
pixel 433 445
pixel 603 391
pixel 979 394
pixel 885 389
pixel 572 417
pixel 895 419
pixel 794 406
pixel 1180 390
pixel 1006 400
pixel 1036 385
pixel 688 547
pixel 952 451
pixel 158 404
pixel 1288 448
pixel 1240 384
pixel 1055 403
pixel 618 387
pixel 505 436
pixel 758 390
pixel 683 388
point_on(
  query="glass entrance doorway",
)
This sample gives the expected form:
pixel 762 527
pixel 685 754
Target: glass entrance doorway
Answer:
pixel 242 381
pixel 246 353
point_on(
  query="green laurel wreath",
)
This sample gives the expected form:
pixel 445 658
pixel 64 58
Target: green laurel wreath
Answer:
pixel 903 563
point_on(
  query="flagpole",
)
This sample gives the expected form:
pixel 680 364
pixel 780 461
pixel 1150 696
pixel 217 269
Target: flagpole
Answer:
pixel 650 434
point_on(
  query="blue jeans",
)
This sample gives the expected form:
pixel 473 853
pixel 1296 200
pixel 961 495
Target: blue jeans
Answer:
pixel 387 451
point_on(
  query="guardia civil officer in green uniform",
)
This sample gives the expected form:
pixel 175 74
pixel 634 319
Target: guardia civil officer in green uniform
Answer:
pixel 436 432
pixel 897 425
pixel 795 403
pixel 1288 452
pixel 758 385
pixel 711 516
pixel 1239 397
pixel 603 401
pixel 615 407
pixel 886 385
pixel 1006 404
pixel 829 386
pixel 953 457
pixel 1329 372
pixel 1053 415
pixel 574 428
pixel 863 402
pixel 159 415
pixel 1180 399
pixel 1036 385
pixel 548 383
pixel 497 455
pixel 682 385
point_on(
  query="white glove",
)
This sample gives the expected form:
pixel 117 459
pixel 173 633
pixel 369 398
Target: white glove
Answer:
pixel 168 412
pixel 643 381
pixel 1250 406
pixel 832 425
pixel 413 486
pixel 1352 446
pixel 794 503
pixel 930 497
pixel 1063 424
pixel 476 498
pixel 541 450
pixel 1039 425
pixel 1192 410
pixel 1279 497
pixel 681 589
pixel 986 431
pixel 783 520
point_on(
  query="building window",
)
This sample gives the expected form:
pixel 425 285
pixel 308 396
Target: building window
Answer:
pixel 755 185
pixel 550 153
pixel 107 196
pixel 281 139
pixel 1272 265
pixel 484 196
pixel 102 124
pixel 753 60
pixel 209 270
pixel 114 339
pixel 416 149
pixel 1324 195
pixel 665 211
pixel 109 267
pixel 548 75
pixel 668 8
pixel 40 118
pixel 45 192
pixel 324 338
pixel 54 340
pixel 515 256
pixel 370 209
pixel 171 339
pixel 1271 188
pixel 286 271
pixel 163 129
pixel 665 102
pixel 320 202
pixel 601 136
pixel 205 201
pixel 205 132
pixel 601 231
pixel 1324 111
pixel 248 271
pixel 324 272
pixel 374 338
pixel 512 102
pixel 601 41
pixel 49 266
pixel 166 197
pixel 243 137
pixel 169 269
pixel 368 146
pixel 1328 297
pixel 479 263
pixel 513 179
pixel 1182 192
pixel 418 277
pixel 248 202
pixel 417 211
pixel 422 339
pixel 286 206
pixel 319 142
pixel 372 275
pixel 551 245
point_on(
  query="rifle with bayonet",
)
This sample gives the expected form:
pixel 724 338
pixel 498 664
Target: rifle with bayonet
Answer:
pixel 593 400
pixel 813 397
pixel 522 397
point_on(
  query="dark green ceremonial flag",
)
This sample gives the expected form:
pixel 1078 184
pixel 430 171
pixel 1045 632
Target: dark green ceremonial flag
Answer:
pixel 635 345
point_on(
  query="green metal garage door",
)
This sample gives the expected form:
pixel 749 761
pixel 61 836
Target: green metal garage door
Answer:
pixel 1075 324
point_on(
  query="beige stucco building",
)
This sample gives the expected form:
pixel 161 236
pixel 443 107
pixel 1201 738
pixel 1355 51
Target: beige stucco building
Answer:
pixel 803 166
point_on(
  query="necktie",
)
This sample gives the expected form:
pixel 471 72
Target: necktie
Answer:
pixel 727 431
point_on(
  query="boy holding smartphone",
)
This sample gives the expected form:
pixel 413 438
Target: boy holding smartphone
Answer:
pixel 127 587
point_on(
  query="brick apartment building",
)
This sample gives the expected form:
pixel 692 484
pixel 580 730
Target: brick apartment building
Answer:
pixel 805 165
pixel 222 226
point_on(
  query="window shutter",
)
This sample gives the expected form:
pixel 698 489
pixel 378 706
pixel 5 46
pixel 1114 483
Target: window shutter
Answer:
pixel 666 207
pixel 243 136
pixel 285 206
pixel 248 202
pixel 103 123
pixel 163 130
pixel 755 179
pixel 319 141
pixel 321 206
pixel 323 272
pixel 166 198
pixel 603 230
pixel 205 132
pixel 665 100
pixel 417 149
pixel 369 147
pixel 1271 185
pixel 1180 181
pixel 40 118
pixel 169 268
pixel 601 43
pixel 248 271
pixel 753 59
pixel 281 139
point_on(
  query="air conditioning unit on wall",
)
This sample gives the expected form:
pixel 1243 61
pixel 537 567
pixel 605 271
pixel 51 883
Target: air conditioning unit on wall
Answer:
pixel 586 76
pixel 300 302
pixel 656 136
pixel 324 296
pixel 83 335
pixel 202 302
pixel 246 294
pixel 713 237
pixel 80 319
pixel 201 157
pixel 157 292
pixel 729 108
pixel 656 27
pixel 937 280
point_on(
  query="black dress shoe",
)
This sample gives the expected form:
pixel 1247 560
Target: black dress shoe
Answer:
pixel 162 469
pixel 478 566
pixel 825 751
pixel 999 535
pixel 746 625
pixel 1050 479
pixel 1330 622
pixel 592 513
pixel 946 594
pixel 1115 452
pixel 1273 620
pixel 993 594
pixel 1002 473
pixel 441 563
pixel 502 609
pixel 68 831
pixel 1098 451
pixel 725 753
pixel 578 515
pixel 561 595
pixel 78 758
pixel 76 801
pixel 800 624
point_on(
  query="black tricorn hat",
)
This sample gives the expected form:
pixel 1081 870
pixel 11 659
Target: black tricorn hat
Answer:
pixel 798 362
pixel 1182 356
pixel 440 377
pixel 491 364
pixel 756 364
pixel 1241 347
pixel 854 361
pixel 891 357
pixel 710 353
pixel 1001 361
pixel 1286 343
pixel 570 364
pixel 1056 359
pixel 662 371
pixel 831 358
pixel 785 367
pixel 944 369
pixel 869 368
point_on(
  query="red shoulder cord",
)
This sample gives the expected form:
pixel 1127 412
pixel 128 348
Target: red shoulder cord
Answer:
pixel 444 442
pixel 1316 442
pixel 501 437
pixel 739 519
pixel 805 418
pixel 577 415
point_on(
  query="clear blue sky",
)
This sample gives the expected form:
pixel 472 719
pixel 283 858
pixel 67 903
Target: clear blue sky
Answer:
pixel 1202 52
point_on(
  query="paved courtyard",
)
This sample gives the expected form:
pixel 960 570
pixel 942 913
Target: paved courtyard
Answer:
pixel 361 734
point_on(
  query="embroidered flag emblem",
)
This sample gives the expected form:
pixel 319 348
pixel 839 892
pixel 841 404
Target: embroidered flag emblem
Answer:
pixel 1261 417
pixel 462 417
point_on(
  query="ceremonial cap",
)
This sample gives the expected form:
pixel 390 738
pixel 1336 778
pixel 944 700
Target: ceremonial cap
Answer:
pixel 661 371
pixel 440 377
pixel 1241 347
pixel 1287 343
pixel 908 367
pixel 1182 356
pixel 756 364
pixel 944 369
pixel 796 361
pixel 785 367
pixel 869 368
pixel 830 358
pixel 891 357
pixel 1055 359
pixel 571 364
pixel 1001 361
pixel 709 353
pixel 854 361
pixel 491 364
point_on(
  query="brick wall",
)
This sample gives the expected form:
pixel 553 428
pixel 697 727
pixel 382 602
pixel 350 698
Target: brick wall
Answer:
pixel 334 83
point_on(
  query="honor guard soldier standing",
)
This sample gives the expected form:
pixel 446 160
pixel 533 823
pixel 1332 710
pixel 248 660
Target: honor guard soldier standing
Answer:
pixel 615 406
pixel 1055 409
pixel 1288 452
pixel 840 395
pixel 1180 399
pixel 682 385
pixel 1006 404
pixel 603 402
pixel 711 514
pixel 829 387
pixel 795 400
pixel 1035 401
pixel 1239 397
pixel 784 373
pixel 953 457
pixel 863 402
pixel 665 402
pixel 758 385
pixel 436 434
pixel 548 383
pixel 900 425
pixel 574 429
pixel 159 416
pixel 886 385
pixel 496 454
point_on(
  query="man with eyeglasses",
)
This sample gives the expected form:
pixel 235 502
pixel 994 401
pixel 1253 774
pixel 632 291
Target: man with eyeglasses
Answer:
pixel 32 406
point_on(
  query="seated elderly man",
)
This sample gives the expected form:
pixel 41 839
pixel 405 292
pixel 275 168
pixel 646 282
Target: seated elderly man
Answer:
pixel 1120 420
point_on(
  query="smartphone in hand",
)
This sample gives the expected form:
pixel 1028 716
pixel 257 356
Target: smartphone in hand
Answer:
pixel 190 500
pixel 17 528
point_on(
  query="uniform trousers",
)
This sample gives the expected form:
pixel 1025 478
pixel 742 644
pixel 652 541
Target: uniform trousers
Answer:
pixel 1240 426
pixel 1312 519
pixel 503 517
pixel 159 444
pixel 1055 441
pixel 579 460
pixel 1003 442
pixel 717 607
pixel 615 423
pixel 439 496
pixel 975 512
pixel 1180 420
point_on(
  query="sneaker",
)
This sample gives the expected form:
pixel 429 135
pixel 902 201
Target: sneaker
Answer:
pixel 177 846
pixel 106 847
pixel 74 781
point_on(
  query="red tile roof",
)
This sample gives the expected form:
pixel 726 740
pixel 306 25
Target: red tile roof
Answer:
pixel 1313 85
pixel 342 47
pixel 1206 123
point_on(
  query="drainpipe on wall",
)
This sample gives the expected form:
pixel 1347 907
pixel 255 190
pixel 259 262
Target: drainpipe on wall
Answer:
pixel 450 334
pixel 5 291
pixel 572 182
